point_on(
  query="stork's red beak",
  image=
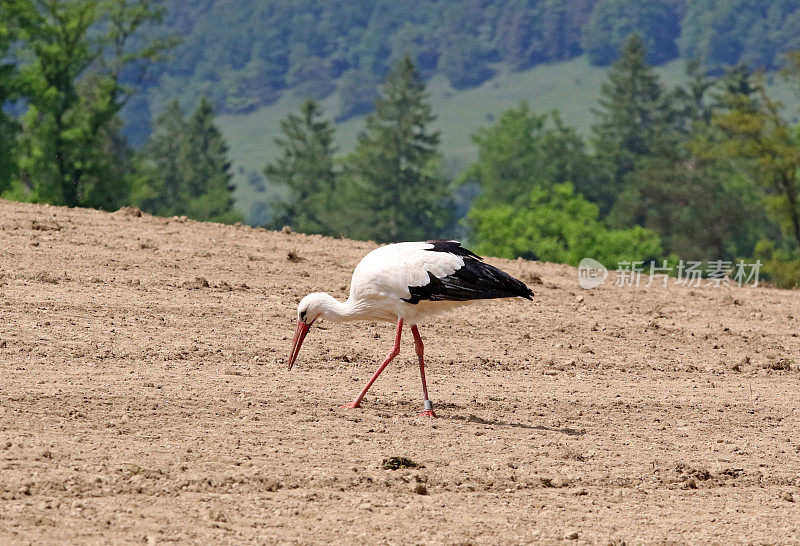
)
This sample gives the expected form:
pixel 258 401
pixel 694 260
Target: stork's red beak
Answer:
pixel 299 336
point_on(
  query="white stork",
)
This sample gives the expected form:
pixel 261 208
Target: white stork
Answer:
pixel 408 282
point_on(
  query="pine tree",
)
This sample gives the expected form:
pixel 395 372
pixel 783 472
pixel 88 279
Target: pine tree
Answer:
pixel 394 186
pixel 159 187
pixel 306 169
pixel 629 117
pixel 691 103
pixel 206 169
pixel 184 169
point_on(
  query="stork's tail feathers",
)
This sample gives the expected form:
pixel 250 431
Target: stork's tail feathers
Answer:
pixel 476 280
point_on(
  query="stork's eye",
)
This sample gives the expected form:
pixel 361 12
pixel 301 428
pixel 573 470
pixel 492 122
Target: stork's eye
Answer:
pixel 303 315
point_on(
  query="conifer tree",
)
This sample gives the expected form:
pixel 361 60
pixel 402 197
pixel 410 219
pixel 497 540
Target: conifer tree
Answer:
pixel 159 187
pixel 692 104
pixel 185 169
pixel 306 169
pixel 629 117
pixel 206 169
pixel 393 183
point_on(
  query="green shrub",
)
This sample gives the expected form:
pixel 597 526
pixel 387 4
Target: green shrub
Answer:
pixel 556 225
pixel 778 265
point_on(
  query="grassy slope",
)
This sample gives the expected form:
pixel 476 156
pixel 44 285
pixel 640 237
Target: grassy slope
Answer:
pixel 572 87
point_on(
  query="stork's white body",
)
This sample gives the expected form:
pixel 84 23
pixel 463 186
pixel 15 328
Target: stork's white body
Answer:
pixel 408 282
pixel 380 284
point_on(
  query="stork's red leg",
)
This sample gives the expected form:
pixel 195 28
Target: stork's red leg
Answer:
pixel 392 353
pixel 428 405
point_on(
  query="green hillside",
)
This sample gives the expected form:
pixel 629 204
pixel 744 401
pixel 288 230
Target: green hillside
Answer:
pixel 572 87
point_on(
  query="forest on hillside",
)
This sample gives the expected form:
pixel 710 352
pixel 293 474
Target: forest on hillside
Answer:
pixel 241 59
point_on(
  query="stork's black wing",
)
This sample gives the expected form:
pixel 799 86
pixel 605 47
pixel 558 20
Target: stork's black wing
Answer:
pixel 475 280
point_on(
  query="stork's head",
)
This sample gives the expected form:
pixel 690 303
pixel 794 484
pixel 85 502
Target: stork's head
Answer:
pixel 309 309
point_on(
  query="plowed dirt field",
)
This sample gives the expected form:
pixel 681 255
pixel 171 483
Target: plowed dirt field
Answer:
pixel 144 398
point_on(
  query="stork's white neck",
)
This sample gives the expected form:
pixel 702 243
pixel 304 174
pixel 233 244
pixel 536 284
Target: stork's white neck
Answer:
pixel 332 309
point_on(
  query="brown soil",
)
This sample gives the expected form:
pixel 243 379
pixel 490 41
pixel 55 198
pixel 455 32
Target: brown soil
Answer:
pixel 145 398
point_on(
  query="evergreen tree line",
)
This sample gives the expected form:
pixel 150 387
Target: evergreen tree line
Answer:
pixel 390 188
pixel 706 171
pixel 66 73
